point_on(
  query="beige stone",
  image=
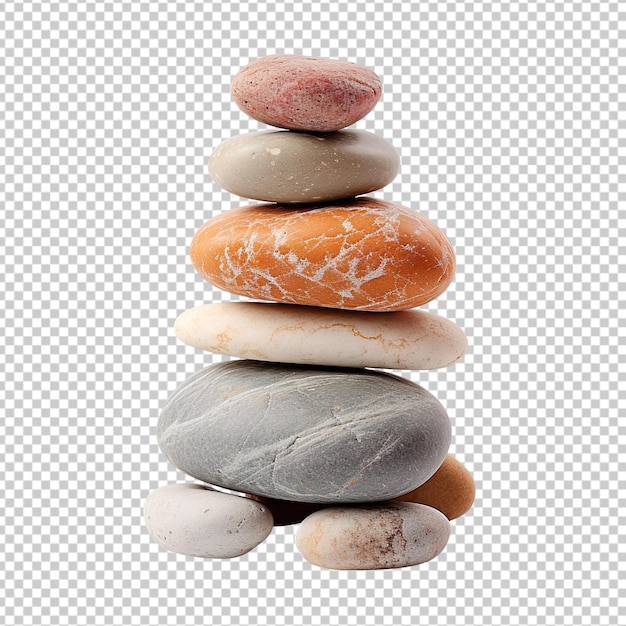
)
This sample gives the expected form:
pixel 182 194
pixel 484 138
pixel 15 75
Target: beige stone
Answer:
pixel 293 167
pixel 381 536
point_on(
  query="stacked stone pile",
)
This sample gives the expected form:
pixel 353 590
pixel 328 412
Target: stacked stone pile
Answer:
pixel 303 426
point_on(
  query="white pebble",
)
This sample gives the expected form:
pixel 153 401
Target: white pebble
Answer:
pixel 197 521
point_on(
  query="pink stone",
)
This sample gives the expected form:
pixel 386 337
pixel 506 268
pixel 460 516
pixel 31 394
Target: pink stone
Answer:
pixel 305 93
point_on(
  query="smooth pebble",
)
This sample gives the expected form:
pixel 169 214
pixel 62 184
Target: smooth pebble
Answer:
pixel 290 167
pixel 198 521
pixel 363 254
pixel 306 434
pixel 387 535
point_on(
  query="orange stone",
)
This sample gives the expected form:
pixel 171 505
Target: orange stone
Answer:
pixel 450 490
pixel 362 254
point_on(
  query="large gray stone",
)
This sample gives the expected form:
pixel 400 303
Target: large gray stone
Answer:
pixel 304 434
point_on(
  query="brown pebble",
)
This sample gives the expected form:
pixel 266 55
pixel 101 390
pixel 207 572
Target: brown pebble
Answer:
pixel 450 490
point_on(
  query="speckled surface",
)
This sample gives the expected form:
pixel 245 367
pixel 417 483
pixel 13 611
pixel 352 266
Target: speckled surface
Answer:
pixel 305 93
pixel 383 536
pixel 284 166
pixel 362 254
pixel 304 434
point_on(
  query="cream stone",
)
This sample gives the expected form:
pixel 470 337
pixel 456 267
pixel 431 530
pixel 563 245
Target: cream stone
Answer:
pixel 412 340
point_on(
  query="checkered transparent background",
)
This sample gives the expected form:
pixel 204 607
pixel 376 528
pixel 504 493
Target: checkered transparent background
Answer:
pixel 510 121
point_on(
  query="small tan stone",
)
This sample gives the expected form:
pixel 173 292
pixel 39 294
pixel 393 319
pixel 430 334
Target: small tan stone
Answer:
pixel 450 490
